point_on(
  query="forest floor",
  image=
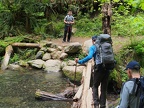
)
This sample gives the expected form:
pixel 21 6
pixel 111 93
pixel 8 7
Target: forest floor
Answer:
pixel 118 42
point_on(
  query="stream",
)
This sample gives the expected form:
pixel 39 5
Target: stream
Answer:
pixel 17 88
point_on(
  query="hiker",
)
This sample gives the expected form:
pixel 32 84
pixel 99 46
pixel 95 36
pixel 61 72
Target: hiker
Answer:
pixel 100 76
pixel 128 99
pixel 68 20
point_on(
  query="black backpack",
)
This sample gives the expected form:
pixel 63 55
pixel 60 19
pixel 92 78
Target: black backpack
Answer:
pixel 104 51
pixel 138 90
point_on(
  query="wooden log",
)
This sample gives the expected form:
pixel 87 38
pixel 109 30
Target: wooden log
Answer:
pixel 90 99
pixel 7 55
pixel 42 95
pixel 78 94
pixel 30 45
pixel 86 86
pixel 9 50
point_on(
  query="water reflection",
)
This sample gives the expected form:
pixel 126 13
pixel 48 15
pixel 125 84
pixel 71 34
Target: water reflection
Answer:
pixel 17 89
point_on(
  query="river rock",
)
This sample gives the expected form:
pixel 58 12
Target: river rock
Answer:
pixel 46 56
pixel 38 63
pixel 14 67
pixel 50 50
pixel 63 56
pixel 56 54
pixel 86 46
pixel 71 63
pixel 69 71
pixel 52 65
pixel 39 54
pixel 73 48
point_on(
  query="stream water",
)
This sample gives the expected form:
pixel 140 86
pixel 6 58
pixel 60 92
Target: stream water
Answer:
pixel 17 89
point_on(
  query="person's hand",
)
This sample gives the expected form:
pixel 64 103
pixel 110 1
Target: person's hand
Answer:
pixel 76 60
pixel 82 80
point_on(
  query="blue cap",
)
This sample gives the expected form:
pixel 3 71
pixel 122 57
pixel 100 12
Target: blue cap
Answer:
pixel 133 65
pixel 94 37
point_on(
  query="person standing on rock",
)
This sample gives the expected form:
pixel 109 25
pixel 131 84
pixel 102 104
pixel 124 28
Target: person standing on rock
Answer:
pixel 68 20
pixel 100 76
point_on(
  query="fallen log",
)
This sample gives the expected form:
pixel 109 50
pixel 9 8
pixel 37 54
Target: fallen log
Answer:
pixel 30 45
pixel 42 95
pixel 7 55
pixel 65 96
pixel 9 50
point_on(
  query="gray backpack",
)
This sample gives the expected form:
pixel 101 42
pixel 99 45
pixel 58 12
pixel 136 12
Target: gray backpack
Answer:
pixel 104 51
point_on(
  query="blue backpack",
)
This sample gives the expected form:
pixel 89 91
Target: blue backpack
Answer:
pixel 138 90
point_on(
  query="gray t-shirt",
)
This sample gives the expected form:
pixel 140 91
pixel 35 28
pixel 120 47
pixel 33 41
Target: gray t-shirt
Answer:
pixel 127 98
pixel 69 18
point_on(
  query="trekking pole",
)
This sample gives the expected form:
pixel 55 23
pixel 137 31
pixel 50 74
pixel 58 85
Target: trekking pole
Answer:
pixel 75 77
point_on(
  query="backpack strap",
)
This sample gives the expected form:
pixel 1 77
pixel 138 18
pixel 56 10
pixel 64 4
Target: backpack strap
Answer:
pixel 136 86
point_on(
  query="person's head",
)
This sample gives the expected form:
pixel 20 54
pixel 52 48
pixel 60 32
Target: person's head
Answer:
pixel 94 39
pixel 132 68
pixel 69 12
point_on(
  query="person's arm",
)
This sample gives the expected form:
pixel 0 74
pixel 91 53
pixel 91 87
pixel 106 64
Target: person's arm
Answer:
pixel 92 50
pixel 124 97
pixel 65 21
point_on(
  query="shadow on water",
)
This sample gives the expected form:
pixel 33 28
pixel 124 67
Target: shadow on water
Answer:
pixel 17 89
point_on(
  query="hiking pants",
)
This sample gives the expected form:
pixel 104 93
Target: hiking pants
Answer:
pixel 68 29
pixel 100 76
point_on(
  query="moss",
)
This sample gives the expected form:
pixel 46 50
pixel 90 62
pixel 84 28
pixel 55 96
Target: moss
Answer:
pixel 71 75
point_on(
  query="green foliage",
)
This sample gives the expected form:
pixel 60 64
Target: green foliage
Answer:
pixel 88 27
pixel 15 58
pixel 127 25
pixel 140 48
pixel 23 54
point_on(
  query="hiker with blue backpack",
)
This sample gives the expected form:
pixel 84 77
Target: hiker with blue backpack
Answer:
pixel 68 20
pixel 104 60
pixel 132 92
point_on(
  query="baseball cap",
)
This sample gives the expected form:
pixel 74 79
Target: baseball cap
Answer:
pixel 133 65
pixel 94 37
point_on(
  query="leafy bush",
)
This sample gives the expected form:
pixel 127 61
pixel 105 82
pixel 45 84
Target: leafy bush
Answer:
pixel 88 27
pixel 127 25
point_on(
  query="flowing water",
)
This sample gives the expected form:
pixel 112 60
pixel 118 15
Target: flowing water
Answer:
pixel 17 89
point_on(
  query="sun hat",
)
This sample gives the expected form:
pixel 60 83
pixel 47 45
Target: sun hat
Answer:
pixel 133 65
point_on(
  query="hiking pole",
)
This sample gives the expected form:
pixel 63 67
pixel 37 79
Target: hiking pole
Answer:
pixel 75 77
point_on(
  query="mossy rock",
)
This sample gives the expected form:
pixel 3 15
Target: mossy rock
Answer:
pixel 71 75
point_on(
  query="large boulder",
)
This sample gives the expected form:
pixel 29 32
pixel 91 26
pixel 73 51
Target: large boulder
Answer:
pixel 73 48
pixel 38 63
pixel 70 71
pixel 52 65
pixel 86 46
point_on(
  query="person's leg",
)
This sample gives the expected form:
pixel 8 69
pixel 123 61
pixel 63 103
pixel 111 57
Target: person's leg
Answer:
pixel 104 84
pixel 96 82
pixel 69 33
pixel 65 33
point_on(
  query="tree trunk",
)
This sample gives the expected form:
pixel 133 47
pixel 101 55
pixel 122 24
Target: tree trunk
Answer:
pixel 106 19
